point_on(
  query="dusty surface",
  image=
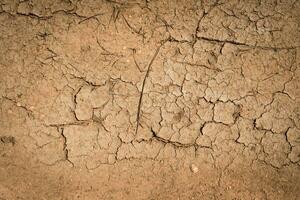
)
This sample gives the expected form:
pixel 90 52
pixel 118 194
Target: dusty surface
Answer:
pixel 149 99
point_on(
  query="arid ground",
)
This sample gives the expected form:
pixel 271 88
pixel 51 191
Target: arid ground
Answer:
pixel 149 99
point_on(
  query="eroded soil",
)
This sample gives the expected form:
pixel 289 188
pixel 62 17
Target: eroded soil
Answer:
pixel 154 99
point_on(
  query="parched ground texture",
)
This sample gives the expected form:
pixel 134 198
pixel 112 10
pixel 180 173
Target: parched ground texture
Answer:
pixel 153 99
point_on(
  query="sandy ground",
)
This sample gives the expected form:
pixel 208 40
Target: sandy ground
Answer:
pixel 153 99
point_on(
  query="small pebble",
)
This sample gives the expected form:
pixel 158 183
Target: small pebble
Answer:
pixel 194 168
pixel 188 76
pixel 19 104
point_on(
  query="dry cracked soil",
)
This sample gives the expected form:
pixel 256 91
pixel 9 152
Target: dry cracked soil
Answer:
pixel 150 99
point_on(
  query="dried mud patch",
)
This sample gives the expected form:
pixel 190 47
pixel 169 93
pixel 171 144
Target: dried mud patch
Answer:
pixel 153 99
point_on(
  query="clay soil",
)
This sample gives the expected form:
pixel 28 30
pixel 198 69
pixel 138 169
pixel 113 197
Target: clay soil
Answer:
pixel 149 99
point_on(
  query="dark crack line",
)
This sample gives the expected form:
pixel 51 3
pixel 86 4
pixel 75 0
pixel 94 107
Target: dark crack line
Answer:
pixel 244 44
pixel 65 149
pixel 173 143
pixel 136 64
pixel 91 17
pixel 143 86
pixel 137 31
pixel 34 16
pixel 27 110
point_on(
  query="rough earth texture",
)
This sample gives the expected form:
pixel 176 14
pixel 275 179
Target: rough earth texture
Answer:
pixel 153 99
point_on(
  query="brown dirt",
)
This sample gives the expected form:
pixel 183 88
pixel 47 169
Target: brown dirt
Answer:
pixel 149 99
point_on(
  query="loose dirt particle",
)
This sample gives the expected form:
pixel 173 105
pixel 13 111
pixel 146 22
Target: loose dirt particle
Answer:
pixel 194 168
pixel 8 140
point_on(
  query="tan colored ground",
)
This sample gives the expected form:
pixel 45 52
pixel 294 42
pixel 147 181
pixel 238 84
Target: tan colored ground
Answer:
pixel 153 99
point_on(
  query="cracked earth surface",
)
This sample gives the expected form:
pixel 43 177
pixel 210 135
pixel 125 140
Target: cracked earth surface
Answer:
pixel 149 99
